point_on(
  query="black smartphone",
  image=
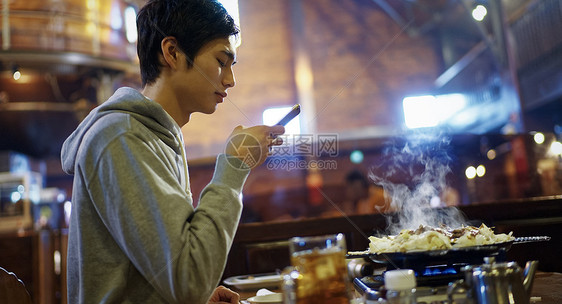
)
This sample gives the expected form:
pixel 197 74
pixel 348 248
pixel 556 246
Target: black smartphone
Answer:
pixel 295 110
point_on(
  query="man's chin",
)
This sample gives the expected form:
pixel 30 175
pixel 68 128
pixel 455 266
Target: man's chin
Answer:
pixel 209 110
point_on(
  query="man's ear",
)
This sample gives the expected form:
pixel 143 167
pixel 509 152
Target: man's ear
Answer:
pixel 170 51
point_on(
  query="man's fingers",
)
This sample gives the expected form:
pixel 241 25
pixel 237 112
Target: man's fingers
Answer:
pixel 276 130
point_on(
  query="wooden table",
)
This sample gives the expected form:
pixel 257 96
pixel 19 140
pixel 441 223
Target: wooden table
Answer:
pixel 547 289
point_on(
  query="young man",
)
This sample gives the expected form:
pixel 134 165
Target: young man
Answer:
pixel 134 234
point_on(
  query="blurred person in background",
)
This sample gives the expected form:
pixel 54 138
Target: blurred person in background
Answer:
pixel 366 197
pixel 361 197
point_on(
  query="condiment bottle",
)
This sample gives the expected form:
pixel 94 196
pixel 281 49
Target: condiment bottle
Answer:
pixel 400 286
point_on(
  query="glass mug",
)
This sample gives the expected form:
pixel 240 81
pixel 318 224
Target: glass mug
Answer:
pixel 318 273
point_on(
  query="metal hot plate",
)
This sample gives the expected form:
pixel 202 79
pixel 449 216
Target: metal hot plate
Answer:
pixel 463 255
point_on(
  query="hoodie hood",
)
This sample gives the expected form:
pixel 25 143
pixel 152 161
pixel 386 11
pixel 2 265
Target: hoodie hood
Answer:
pixel 127 101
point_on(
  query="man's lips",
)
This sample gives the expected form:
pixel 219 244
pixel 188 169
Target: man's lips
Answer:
pixel 222 95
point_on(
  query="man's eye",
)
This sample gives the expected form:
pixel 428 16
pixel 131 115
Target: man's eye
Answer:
pixel 221 63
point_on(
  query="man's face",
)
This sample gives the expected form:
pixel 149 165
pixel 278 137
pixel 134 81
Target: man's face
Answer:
pixel 204 85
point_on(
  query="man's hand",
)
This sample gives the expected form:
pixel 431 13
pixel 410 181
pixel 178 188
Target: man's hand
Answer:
pixel 252 145
pixel 223 295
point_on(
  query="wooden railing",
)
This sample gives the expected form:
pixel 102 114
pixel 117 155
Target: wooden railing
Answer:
pixel 69 26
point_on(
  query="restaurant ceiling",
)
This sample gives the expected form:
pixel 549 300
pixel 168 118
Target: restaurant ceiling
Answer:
pixel 40 132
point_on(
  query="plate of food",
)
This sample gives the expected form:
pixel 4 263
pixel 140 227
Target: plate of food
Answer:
pixel 436 244
pixel 254 281
pixel 271 298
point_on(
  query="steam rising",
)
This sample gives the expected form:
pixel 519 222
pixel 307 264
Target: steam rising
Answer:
pixel 412 173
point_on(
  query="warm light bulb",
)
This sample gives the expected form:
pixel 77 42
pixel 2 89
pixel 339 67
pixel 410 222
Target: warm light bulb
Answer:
pixel 539 138
pixel 17 75
pixel 470 172
pixel 556 148
pixel 479 12
pixel 491 154
pixel 480 170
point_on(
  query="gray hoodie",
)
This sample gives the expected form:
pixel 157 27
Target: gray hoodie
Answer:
pixel 134 234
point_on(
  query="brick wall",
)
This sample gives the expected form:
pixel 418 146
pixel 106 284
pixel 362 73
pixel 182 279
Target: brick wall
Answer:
pixel 362 63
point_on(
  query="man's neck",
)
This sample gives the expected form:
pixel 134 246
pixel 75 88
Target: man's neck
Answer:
pixel 159 93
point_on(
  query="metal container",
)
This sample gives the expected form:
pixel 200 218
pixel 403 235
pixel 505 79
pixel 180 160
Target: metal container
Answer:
pixel 496 283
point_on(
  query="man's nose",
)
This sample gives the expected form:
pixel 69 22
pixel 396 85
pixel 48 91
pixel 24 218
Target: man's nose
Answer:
pixel 229 81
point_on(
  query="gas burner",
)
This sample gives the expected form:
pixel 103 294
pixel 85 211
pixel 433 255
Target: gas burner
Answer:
pixel 424 294
pixel 432 282
pixel 430 276
pixel 437 275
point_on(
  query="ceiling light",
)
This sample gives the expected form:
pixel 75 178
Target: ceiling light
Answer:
pixel 470 172
pixel 479 12
pixel 539 138
pixel 480 170
pixel 16 74
pixel 491 154
pixel 556 148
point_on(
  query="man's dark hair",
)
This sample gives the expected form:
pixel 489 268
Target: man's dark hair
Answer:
pixel 192 22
